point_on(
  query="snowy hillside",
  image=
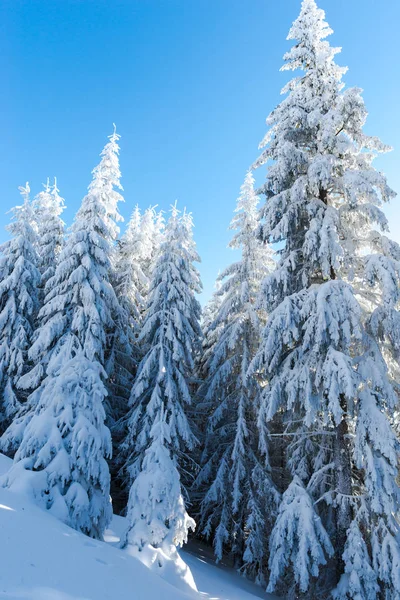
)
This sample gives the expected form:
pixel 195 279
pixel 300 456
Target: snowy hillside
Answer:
pixel 269 423
pixel 43 559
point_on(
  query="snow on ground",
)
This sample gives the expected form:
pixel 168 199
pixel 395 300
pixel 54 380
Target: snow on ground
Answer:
pixel 43 559
pixel 218 582
pixel 212 582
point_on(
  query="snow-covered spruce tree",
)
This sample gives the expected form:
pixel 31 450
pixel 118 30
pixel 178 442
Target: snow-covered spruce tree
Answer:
pixel 48 207
pixel 156 509
pixel 201 406
pixel 19 280
pixel 61 459
pixel 106 185
pixel 161 394
pixel 152 227
pixel 329 351
pixel 299 542
pixel 64 439
pixel 360 578
pixel 211 330
pixel 131 251
pixel 159 227
pixel 135 254
pixel 129 283
pixel 102 199
pixel 234 470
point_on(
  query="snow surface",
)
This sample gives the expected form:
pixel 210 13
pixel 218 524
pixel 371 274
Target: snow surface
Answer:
pixel 219 582
pixel 43 559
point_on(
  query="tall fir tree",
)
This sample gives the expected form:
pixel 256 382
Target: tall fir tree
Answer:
pixel 159 433
pixel 106 186
pixel 135 256
pixel 132 250
pixel 19 280
pixel 131 286
pixel 62 455
pixel 129 283
pixel 48 207
pixel 235 466
pixel 211 330
pixel 152 227
pixel 99 207
pixel 156 509
pixel 299 542
pixel 332 333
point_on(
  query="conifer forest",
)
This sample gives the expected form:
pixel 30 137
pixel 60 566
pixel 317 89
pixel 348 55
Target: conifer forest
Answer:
pixel 264 425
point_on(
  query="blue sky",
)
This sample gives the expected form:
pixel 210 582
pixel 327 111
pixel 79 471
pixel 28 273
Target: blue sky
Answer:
pixel 188 83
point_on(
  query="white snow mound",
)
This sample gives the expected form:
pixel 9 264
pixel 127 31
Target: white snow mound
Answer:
pixel 43 559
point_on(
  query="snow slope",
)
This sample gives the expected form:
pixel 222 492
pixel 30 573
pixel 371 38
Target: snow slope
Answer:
pixel 218 582
pixel 43 559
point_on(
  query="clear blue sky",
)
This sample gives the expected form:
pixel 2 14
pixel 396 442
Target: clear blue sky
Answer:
pixel 188 83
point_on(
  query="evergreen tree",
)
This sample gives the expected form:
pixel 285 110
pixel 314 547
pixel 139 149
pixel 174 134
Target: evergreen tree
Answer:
pixel 91 239
pixel 152 227
pixel 106 187
pixel 19 280
pixel 148 229
pixel 233 470
pixel 48 207
pixel 64 439
pixel 327 348
pixel 202 406
pixel 299 542
pixel 130 280
pixel 161 393
pixel 156 509
pixel 134 260
pixel 360 579
pixel 211 329
pixel 61 458
pixel 129 283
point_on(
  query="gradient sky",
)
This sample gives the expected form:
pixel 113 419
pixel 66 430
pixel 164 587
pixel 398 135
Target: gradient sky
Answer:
pixel 188 83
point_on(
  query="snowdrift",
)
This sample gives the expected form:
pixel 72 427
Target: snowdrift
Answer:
pixel 43 559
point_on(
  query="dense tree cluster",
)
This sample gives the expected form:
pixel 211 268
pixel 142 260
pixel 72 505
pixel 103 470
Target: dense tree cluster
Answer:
pixel 272 421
